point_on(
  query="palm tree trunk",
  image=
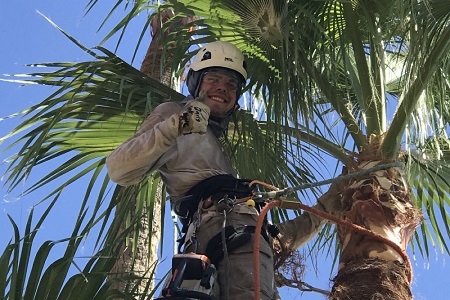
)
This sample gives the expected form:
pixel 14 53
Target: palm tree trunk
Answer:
pixel 145 258
pixel 376 267
pixel 372 279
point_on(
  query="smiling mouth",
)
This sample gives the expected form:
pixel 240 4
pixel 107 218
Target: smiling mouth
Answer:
pixel 218 99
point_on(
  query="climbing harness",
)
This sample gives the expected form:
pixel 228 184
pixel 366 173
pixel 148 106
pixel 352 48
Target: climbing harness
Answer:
pixel 194 275
pixel 215 187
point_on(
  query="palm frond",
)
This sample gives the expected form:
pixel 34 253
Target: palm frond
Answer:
pixel 429 176
pixel 97 106
pixel 426 60
pixel 28 276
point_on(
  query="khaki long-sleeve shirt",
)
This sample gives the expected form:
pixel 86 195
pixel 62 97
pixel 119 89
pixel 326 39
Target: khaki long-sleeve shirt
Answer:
pixel 183 160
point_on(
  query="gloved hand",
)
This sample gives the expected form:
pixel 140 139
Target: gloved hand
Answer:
pixel 194 117
pixel 331 201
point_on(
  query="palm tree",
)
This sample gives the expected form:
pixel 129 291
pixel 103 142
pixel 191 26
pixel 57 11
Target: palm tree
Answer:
pixel 140 258
pixel 363 82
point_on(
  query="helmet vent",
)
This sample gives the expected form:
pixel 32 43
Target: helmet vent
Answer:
pixel 206 56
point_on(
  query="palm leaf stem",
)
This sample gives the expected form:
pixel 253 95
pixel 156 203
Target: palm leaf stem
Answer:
pixel 337 102
pixel 378 67
pixel 322 143
pixel 368 100
pixel 409 99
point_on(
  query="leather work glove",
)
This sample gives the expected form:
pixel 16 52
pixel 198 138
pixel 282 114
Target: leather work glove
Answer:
pixel 194 117
pixel 331 201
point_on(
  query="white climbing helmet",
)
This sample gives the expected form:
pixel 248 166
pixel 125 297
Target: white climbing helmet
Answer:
pixel 215 55
pixel 220 54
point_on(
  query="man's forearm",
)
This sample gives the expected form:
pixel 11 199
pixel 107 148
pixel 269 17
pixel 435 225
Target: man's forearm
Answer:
pixel 296 232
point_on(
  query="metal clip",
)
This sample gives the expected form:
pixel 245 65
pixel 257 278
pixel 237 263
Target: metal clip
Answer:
pixel 225 204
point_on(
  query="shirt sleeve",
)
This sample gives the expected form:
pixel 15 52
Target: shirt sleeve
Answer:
pixel 130 162
pixel 295 233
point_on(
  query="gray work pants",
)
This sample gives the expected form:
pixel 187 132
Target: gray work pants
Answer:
pixel 235 272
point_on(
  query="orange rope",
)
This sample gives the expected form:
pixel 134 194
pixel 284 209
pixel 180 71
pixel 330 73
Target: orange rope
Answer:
pixel 256 243
pixel 265 184
pixel 324 215
pixel 355 227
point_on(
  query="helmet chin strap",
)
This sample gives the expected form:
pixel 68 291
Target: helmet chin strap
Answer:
pixel 219 125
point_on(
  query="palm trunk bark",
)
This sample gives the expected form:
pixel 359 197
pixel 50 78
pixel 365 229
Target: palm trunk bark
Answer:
pixel 143 259
pixel 372 279
pixel 142 262
pixel 371 267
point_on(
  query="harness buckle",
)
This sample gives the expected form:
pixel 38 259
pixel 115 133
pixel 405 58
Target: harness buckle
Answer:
pixel 225 204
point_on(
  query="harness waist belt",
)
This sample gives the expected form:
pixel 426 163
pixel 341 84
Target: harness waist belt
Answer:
pixel 217 186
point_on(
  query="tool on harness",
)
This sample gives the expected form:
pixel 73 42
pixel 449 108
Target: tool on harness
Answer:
pixel 222 191
pixel 224 204
pixel 216 187
pixel 193 277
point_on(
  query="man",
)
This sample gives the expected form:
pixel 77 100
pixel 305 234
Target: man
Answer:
pixel 182 143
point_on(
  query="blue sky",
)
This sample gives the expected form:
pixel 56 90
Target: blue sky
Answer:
pixel 26 37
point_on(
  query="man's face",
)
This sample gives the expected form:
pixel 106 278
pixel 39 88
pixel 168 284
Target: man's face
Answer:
pixel 220 90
